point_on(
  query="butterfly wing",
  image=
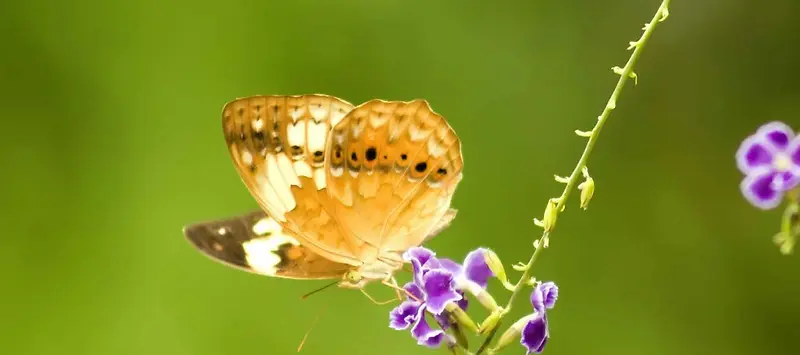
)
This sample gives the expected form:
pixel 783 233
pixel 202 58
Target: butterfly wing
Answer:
pixel 278 145
pixel 257 243
pixel 393 168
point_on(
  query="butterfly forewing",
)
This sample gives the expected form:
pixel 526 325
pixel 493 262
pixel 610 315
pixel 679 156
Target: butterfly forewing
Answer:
pixel 257 243
pixel 392 169
pixel 278 145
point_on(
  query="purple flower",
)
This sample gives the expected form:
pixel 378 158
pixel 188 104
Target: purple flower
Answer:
pixel 770 160
pixel 432 288
pixel 474 269
pixel 535 333
pixel 436 283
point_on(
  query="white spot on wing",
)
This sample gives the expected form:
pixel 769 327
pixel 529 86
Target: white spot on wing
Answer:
pixel 434 148
pixel 261 255
pixel 358 128
pixel 378 119
pixel 317 133
pixel 416 133
pixel 222 231
pixel 302 168
pixel 266 225
pixel 296 112
pixel 338 113
pixel 296 133
pixel 337 171
pixel 319 113
pixel 247 158
pixel 258 125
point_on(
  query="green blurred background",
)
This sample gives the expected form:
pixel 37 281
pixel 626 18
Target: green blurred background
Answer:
pixel 113 142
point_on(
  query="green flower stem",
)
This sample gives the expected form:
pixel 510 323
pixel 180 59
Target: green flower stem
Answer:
pixel 624 73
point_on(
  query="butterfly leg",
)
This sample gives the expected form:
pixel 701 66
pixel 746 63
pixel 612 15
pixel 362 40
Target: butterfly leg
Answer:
pixel 392 283
pixel 379 303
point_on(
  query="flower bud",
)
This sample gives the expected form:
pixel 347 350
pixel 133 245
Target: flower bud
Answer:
pixel 587 191
pixel 511 334
pixel 550 215
pixel 494 263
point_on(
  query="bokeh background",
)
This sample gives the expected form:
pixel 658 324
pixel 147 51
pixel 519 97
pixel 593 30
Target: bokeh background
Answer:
pixel 112 142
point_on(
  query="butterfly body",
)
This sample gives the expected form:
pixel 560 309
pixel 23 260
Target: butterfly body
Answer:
pixel 344 190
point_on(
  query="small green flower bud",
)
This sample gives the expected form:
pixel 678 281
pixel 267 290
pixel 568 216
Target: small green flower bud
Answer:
pixel 494 263
pixel 550 215
pixel 587 191
pixel 512 334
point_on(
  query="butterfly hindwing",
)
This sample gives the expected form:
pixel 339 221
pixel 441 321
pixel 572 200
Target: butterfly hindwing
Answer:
pixel 257 243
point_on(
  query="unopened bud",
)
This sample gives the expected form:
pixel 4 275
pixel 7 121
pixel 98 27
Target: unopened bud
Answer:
pixel 550 215
pixel 494 263
pixel 587 191
pixel 512 333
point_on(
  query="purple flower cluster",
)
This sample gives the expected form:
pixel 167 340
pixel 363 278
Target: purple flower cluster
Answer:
pixel 436 283
pixel 770 160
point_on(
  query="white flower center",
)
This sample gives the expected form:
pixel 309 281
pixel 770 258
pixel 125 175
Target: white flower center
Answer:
pixel 782 162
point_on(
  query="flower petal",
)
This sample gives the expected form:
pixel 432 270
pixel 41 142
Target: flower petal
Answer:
pixel 424 334
pixel 438 285
pixel 535 334
pixel 776 133
pixel 794 151
pixel 415 290
pixel 758 190
pixel 549 293
pixel 422 255
pixel 451 266
pixel 418 256
pixel 463 303
pixel 754 152
pixel 784 181
pixel 476 268
pixel 404 315
pixel 537 300
pixel 443 320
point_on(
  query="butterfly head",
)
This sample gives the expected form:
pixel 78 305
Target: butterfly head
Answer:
pixel 353 279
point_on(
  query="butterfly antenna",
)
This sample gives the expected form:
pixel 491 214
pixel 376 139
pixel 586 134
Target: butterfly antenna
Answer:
pixel 319 289
pixel 303 342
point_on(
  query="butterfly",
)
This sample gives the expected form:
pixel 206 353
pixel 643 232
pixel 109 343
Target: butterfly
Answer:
pixel 343 190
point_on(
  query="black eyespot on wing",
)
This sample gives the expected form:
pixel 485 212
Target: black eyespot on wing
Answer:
pixel 354 157
pixel 404 156
pixel 371 154
pixel 420 167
